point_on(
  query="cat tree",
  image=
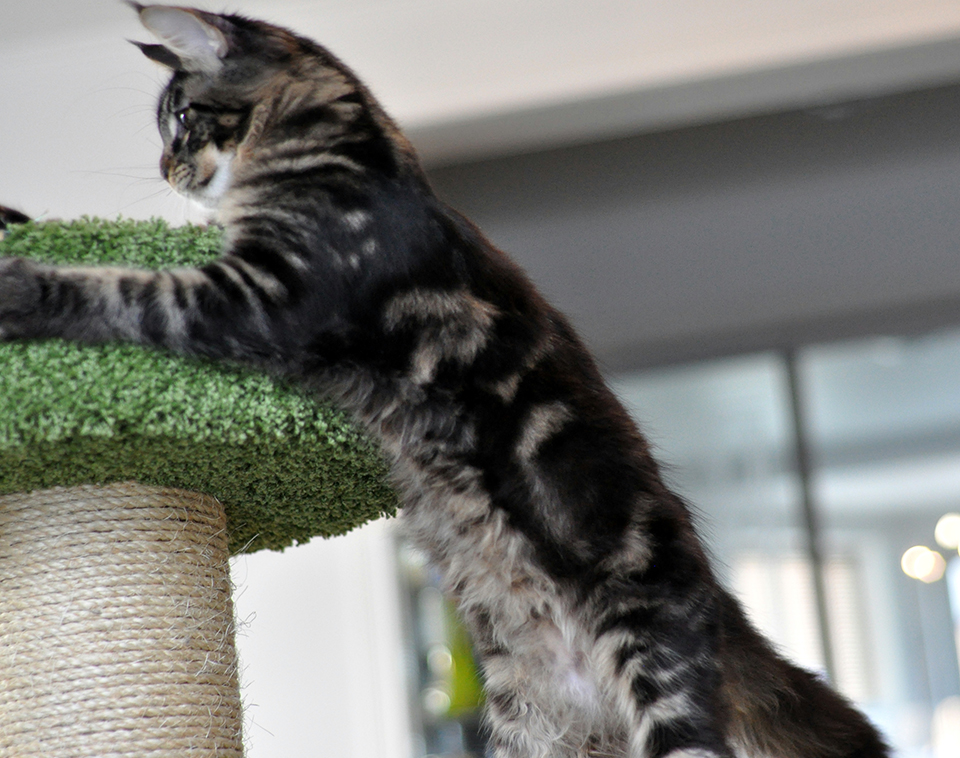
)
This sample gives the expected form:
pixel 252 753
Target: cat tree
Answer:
pixel 127 478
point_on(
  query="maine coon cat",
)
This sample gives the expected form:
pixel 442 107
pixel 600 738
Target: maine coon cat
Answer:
pixel 599 625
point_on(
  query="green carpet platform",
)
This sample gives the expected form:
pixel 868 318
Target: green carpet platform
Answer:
pixel 127 476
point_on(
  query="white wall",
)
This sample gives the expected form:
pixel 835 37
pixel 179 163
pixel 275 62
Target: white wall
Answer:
pixel 323 666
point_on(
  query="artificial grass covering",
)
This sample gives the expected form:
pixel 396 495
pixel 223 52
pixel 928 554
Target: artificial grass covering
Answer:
pixel 285 466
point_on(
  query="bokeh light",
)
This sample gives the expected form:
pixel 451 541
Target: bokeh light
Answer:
pixel 920 562
pixel 436 702
pixel 947 532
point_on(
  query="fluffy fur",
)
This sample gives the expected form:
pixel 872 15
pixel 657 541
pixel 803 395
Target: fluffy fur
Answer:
pixel 597 619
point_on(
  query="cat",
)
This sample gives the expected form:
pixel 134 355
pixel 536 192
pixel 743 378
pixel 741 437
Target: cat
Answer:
pixel 599 625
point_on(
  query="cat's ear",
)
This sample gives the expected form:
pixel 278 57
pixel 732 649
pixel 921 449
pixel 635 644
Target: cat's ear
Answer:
pixel 160 54
pixel 189 42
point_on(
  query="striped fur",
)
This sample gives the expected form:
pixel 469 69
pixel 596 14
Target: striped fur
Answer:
pixel 599 624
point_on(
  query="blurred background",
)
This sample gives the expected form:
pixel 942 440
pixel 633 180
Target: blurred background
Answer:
pixel 750 210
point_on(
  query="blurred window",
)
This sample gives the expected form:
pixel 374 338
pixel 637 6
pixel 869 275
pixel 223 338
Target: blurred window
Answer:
pixel 881 418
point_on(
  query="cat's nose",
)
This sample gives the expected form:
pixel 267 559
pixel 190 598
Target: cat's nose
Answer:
pixel 166 162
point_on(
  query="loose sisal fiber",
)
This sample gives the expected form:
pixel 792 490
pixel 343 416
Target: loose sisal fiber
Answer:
pixel 116 625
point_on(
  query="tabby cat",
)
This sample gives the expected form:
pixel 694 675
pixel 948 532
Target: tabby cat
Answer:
pixel 599 624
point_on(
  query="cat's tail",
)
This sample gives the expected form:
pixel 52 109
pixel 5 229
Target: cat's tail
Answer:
pixel 780 710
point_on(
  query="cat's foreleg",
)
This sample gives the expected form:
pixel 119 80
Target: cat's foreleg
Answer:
pixel 214 310
pixel 9 216
pixel 82 304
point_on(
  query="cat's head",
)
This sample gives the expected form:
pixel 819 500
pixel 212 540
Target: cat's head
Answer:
pixel 239 85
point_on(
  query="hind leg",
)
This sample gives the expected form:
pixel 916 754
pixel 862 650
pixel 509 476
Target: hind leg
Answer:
pixel 526 713
pixel 661 658
pixel 541 701
pixel 520 729
pixel 673 710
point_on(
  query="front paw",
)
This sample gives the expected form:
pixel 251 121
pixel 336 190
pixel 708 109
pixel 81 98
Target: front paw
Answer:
pixel 10 216
pixel 20 297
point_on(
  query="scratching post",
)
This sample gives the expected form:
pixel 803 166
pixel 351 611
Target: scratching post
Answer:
pixel 116 625
pixel 116 622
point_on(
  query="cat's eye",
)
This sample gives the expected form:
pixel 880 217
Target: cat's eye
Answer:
pixel 182 115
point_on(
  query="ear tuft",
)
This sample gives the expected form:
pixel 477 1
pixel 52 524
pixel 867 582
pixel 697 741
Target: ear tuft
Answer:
pixel 197 45
pixel 160 54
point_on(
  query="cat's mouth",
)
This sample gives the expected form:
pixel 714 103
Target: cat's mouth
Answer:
pixel 205 181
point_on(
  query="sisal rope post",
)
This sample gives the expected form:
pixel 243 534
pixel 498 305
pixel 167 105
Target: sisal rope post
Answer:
pixel 116 625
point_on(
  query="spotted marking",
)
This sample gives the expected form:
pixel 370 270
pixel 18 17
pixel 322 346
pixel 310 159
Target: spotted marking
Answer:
pixel 421 305
pixel 507 388
pixel 356 220
pixel 542 422
pixel 266 282
pixel 452 325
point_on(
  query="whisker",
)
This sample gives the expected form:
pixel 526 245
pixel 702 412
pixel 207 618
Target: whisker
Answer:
pixel 163 190
pixel 151 176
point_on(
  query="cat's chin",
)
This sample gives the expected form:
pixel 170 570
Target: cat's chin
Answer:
pixel 210 194
pixel 196 198
pixel 211 204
